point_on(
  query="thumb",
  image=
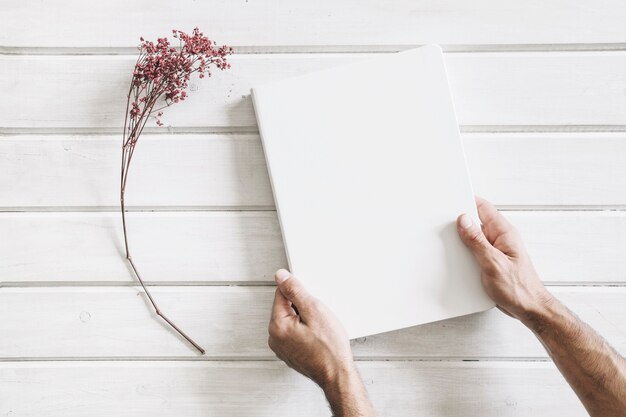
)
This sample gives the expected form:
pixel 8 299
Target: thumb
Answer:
pixel 472 235
pixel 293 290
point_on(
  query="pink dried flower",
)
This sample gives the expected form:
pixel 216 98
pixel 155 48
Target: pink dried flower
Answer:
pixel 161 75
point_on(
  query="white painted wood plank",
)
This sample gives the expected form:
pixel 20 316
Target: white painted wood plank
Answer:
pixel 167 170
pixel 168 246
pixel 566 247
pixel 566 88
pixel 548 169
pixel 118 23
pixel 231 322
pixel 538 169
pixel 193 389
pixel 575 246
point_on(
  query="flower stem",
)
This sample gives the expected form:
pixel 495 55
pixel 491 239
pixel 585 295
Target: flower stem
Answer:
pixel 158 311
pixel 128 147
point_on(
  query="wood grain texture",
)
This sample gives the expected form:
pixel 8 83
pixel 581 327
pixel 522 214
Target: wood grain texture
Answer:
pixel 548 169
pixel 231 322
pixel 195 389
pixel 182 170
pixel 171 246
pixel 170 170
pixel 197 247
pixel 529 88
pixel 74 23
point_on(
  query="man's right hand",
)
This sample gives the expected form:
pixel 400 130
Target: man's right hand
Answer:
pixel 508 275
pixel 595 371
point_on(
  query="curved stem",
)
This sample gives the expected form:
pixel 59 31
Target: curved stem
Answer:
pixel 128 148
pixel 158 311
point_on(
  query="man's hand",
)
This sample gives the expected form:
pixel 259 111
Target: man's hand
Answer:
pixel 310 339
pixel 595 371
pixel 507 275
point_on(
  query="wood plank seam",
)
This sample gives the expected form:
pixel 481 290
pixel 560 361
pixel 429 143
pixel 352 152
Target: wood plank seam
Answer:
pixel 307 49
pixel 52 132
pixel 213 359
pixel 254 208
pixel 235 283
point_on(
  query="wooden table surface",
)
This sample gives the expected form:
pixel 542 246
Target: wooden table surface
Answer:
pixel 540 92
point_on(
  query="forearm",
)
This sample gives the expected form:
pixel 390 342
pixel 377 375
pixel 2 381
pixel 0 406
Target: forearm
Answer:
pixel 595 371
pixel 347 395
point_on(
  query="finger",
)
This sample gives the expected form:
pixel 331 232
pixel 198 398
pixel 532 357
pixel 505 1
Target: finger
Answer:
pixel 474 238
pixel 282 307
pixel 293 290
pixel 494 223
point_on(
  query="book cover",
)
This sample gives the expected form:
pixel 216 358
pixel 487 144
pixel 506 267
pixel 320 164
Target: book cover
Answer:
pixel 369 175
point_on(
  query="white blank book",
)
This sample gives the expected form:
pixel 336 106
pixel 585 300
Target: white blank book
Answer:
pixel 369 176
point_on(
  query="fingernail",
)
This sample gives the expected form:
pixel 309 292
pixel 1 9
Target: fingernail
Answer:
pixel 282 275
pixel 466 221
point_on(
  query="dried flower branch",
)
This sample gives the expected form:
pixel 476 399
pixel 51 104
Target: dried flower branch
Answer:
pixel 160 78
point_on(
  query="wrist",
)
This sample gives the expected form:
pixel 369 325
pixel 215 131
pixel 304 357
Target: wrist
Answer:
pixel 536 314
pixel 339 379
pixel 346 393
